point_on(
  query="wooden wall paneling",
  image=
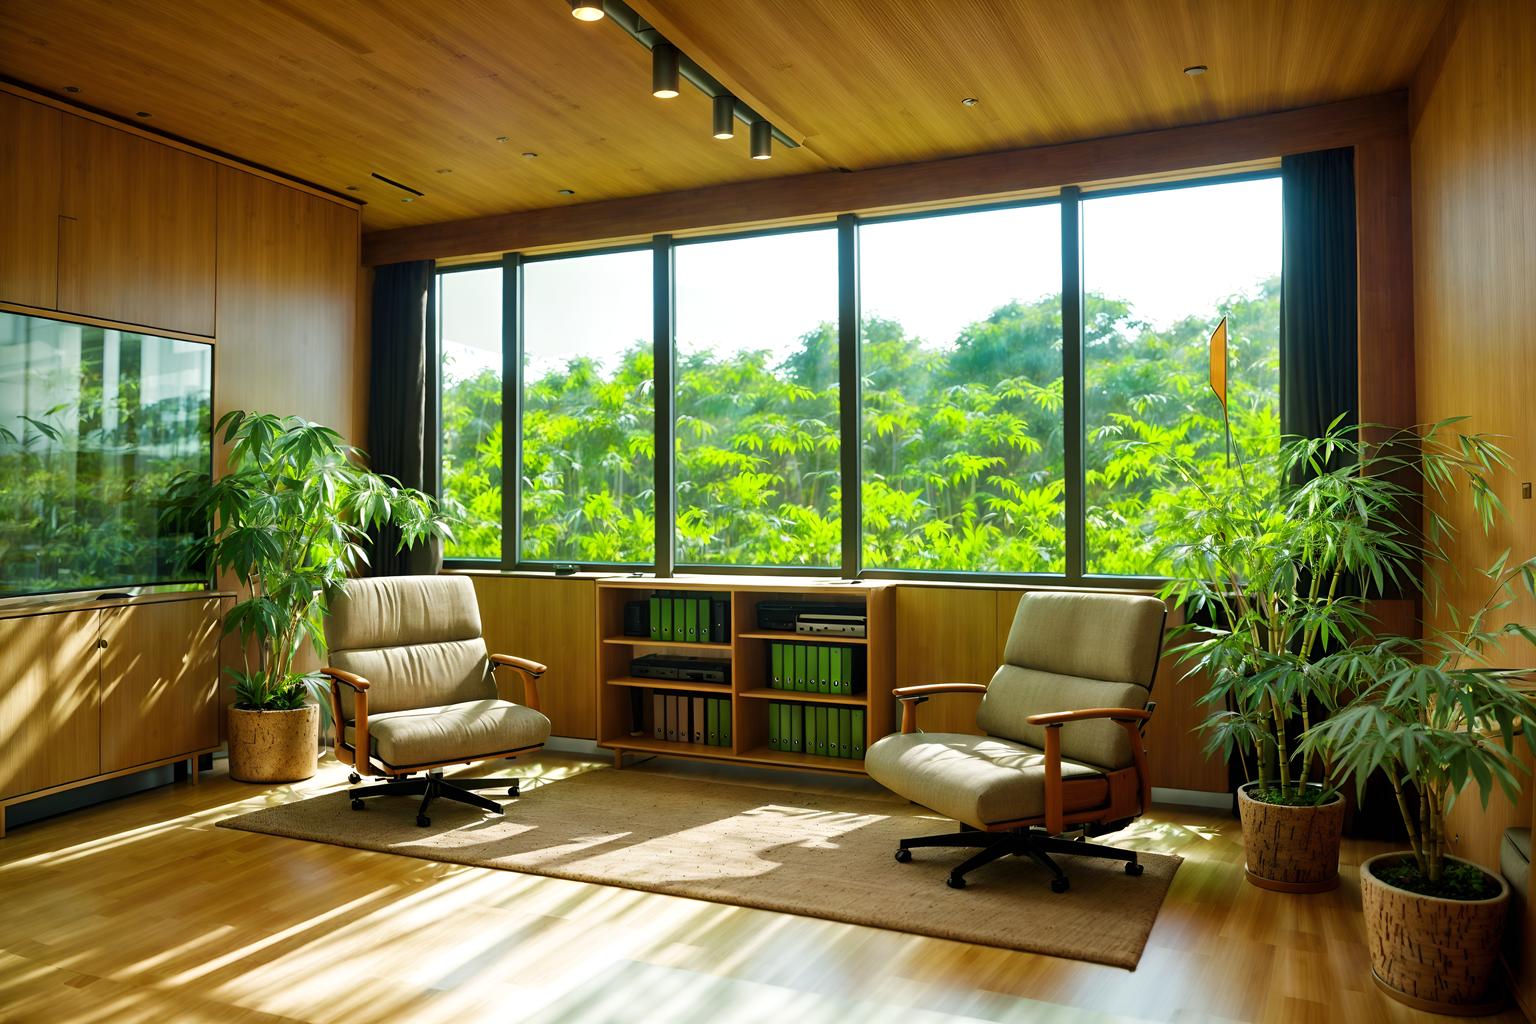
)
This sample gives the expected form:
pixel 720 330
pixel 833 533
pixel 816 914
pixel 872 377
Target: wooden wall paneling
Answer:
pixel 946 635
pixel 1013 172
pixel 49 722
pixel 159 681
pixel 1384 226
pixel 553 621
pixel 1175 749
pixel 136 234
pixel 29 202
pixel 288 305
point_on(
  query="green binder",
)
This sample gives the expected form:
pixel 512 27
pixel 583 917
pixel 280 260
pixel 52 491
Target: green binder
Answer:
pixel 797 728
pixel 690 620
pixel 802 671
pixel 679 618
pixel 655 610
pixel 810 730
pixel 666 617
pixel 858 733
pixel 773 726
pixel 824 669
pixel 844 732
pixel 821 731
pixel 703 605
pixel 775 665
pixel 784 727
pixel 847 659
pixel 712 722
pixel 725 722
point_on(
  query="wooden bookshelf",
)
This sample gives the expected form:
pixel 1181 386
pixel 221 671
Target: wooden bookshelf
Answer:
pixel 748 652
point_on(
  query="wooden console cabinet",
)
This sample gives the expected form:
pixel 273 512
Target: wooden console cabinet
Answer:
pixel 93 691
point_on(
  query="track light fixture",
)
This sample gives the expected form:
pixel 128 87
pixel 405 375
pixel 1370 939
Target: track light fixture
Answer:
pixel 664 80
pixel 725 116
pixel 587 10
pixel 762 140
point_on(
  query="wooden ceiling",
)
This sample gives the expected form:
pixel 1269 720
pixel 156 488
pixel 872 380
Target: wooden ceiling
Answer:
pixel 337 91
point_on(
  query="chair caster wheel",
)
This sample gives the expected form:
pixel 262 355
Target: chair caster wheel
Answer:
pixel 1134 869
pixel 357 803
pixel 955 882
pixel 512 790
pixel 903 856
pixel 354 778
pixel 423 821
pixel 1060 885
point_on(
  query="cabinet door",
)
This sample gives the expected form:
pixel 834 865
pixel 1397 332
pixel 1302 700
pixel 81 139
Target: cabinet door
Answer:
pixel 48 701
pixel 29 202
pixel 136 230
pixel 159 681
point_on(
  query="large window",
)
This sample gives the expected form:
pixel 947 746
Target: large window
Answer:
pixel 757 423
pixel 588 412
pixel 1160 269
pixel 962 391
pixel 969 377
pixel 469 329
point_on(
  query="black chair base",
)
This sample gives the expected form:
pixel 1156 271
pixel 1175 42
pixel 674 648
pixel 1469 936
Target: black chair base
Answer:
pixel 1033 843
pixel 431 786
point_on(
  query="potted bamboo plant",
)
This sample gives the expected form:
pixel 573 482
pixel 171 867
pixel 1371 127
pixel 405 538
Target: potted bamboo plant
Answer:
pixel 1433 718
pixel 289 520
pixel 1278 580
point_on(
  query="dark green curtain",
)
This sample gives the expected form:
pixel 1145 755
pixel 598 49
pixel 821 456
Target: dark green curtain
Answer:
pixel 402 399
pixel 1319 327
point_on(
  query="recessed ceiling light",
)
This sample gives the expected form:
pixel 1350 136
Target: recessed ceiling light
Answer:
pixel 1195 70
pixel 530 156
pixel 503 138
pixel 141 113
pixel 71 88
pixel 587 10
pixel 353 188
pixel 567 191
pixel 969 101
pixel 408 199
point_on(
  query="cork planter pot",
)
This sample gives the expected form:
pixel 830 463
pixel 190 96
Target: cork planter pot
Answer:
pixel 1434 954
pixel 1291 849
pixel 273 746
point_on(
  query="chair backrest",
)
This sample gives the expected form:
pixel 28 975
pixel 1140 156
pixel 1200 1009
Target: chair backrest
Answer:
pixel 1066 652
pixel 416 639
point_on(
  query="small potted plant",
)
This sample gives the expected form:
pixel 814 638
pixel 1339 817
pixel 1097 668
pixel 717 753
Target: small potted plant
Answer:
pixel 1434 921
pixel 1278 576
pixel 289 520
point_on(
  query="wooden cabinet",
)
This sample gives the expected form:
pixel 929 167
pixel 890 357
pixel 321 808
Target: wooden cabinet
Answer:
pixel 136 230
pixel 87 693
pixel 29 202
pixel 49 724
pixel 158 662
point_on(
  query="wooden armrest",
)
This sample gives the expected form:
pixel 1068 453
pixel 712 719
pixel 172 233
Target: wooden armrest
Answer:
pixel 1118 714
pixel 529 670
pixel 912 696
pixel 355 681
pixel 360 744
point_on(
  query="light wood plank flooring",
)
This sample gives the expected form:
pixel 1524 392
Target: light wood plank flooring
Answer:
pixel 142 910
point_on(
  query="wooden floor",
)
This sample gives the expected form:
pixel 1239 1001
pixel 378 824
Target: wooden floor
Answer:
pixel 142 910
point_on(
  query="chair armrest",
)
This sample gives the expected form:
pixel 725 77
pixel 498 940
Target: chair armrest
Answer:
pixel 529 670
pixel 912 696
pixel 360 745
pixel 1084 714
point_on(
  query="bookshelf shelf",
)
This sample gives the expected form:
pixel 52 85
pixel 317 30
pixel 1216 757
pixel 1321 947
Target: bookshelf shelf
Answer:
pixel 749 654
pixel 857 700
pixel 718 689
pixel 810 638
pixel 671 645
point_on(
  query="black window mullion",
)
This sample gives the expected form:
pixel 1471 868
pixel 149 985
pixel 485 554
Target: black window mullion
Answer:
pixel 849 395
pixel 1072 381
pixel 511 409
pixel 664 391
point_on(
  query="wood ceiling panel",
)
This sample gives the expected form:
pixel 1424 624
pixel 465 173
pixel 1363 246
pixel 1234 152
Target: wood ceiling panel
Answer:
pixel 331 92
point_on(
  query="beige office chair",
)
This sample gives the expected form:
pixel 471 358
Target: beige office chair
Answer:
pixel 424 690
pixel 1063 745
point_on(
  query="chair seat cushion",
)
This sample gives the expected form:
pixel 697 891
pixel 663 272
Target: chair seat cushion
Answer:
pixel 452 732
pixel 980 780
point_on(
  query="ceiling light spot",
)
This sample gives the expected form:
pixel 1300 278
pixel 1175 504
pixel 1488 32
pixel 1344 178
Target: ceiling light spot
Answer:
pixel 969 101
pixel 71 88
pixel 354 188
pixel 408 199
pixel 567 191
pixel 1195 70
pixel 141 113
pixel 530 156
pixel 503 138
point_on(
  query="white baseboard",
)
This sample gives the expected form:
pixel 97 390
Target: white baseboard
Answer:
pixel 1192 798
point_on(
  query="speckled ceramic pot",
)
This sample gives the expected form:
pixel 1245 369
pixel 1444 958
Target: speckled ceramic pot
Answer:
pixel 1291 849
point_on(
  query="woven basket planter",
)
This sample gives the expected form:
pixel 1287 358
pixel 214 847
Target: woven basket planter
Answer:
pixel 1434 954
pixel 274 746
pixel 1291 849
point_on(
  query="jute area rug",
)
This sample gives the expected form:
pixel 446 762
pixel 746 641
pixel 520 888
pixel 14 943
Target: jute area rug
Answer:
pixel 818 855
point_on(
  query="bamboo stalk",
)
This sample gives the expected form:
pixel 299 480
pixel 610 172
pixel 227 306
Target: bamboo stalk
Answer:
pixel 1415 836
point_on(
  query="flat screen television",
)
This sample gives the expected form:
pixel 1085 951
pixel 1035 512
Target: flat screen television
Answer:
pixel 93 423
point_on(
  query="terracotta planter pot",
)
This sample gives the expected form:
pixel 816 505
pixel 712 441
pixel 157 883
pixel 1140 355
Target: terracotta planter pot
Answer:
pixel 273 746
pixel 1291 849
pixel 1430 953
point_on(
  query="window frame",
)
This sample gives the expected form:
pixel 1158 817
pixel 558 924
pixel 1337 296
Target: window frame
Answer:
pixel 663 248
